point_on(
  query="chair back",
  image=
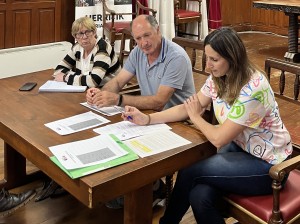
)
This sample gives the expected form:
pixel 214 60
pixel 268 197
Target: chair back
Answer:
pixel 184 16
pixel 284 78
pixel 195 50
pixel 113 29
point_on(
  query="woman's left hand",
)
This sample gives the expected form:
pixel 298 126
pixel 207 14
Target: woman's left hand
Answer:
pixel 59 77
pixel 193 107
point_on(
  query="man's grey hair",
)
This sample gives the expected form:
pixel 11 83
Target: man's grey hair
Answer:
pixel 151 19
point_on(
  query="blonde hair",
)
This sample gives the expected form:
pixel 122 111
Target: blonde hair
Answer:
pixel 86 22
pixel 227 43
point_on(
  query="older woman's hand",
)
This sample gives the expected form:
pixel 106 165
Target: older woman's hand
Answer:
pixel 59 77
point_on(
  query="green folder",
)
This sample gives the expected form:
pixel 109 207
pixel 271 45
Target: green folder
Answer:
pixel 80 172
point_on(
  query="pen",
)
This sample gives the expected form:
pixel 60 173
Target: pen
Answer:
pixel 122 111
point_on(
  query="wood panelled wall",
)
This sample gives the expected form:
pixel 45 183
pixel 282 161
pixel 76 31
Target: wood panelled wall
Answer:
pixel 244 17
pixel 30 22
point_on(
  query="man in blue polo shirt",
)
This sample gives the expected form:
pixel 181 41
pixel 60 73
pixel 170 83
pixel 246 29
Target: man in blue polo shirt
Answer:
pixel 163 71
pixel 162 68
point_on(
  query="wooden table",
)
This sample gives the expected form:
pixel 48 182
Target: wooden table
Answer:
pixel 292 9
pixel 23 115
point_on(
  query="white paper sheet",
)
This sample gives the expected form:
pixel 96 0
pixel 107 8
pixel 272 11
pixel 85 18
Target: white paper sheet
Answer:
pixel 108 111
pixel 77 123
pixel 125 130
pixel 87 152
pixel 55 86
pixel 155 142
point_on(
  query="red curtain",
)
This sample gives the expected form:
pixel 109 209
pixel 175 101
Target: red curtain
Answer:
pixel 143 2
pixel 214 14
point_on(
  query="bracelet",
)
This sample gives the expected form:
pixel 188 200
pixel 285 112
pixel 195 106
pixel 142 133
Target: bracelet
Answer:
pixel 64 78
pixel 120 100
pixel 149 119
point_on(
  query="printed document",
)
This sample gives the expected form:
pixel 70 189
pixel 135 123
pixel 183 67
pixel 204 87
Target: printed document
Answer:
pixel 108 111
pixel 126 130
pixel 55 86
pixel 155 142
pixel 96 150
pixel 77 123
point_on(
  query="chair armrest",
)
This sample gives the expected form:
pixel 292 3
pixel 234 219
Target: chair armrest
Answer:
pixel 199 1
pixel 107 9
pixel 278 172
pixel 194 45
pixel 190 43
pixel 140 6
pixel 176 4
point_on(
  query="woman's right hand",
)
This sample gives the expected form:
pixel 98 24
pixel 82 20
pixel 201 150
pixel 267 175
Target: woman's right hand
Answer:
pixel 135 116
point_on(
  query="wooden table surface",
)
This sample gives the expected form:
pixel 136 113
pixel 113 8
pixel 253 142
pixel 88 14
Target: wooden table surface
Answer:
pixel 23 115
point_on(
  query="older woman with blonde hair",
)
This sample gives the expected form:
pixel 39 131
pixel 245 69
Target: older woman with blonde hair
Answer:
pixel 91 62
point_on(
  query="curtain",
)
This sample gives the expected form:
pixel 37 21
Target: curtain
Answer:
pixel 214 14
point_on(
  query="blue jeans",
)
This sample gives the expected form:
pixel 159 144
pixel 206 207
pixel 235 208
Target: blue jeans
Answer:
pixel 203 184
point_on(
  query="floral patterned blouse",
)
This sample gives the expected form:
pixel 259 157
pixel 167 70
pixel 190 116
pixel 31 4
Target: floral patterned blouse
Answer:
pixel 266 136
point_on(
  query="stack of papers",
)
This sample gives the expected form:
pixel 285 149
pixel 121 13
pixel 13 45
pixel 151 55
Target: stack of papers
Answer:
pixel 55 86
pixel 144 140
pixel 155 142
pixel 108 111
pixel 88 156
pixel 125 129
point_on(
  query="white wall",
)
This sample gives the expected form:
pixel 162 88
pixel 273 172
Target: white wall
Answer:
pixel 21 60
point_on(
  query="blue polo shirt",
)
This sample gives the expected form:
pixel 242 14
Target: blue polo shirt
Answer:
pixel 172 68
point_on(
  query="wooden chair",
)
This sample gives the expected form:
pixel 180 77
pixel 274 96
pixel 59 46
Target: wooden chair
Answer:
pixel 195 50
pixel 183 16
pixel 283 206
pixel 113 29
pixel 284 67
pixel 126 34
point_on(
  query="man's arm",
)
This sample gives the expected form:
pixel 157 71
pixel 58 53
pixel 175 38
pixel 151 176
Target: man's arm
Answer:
pixel 118 82
pixel 154 102
pixel 109 94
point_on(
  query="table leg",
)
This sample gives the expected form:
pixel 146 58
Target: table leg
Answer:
pixel 138 206
pixel 15 173
pixel 14 167
pixel 292 54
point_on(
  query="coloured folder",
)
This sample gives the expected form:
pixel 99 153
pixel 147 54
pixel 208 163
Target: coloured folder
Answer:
pixel 76 173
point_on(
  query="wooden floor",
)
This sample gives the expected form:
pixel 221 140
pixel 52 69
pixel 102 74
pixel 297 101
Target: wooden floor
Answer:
pixel 67 209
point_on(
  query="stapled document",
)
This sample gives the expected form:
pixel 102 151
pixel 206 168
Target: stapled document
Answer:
pixel 55 86
pixel 108 111
pixel 126 130
pixel 77 123
pixel 156 142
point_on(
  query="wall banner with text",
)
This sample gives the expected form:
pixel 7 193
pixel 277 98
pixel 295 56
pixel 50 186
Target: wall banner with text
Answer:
pixel 93 9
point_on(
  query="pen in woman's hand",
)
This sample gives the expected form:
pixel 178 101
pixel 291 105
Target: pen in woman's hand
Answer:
pixel 122 111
